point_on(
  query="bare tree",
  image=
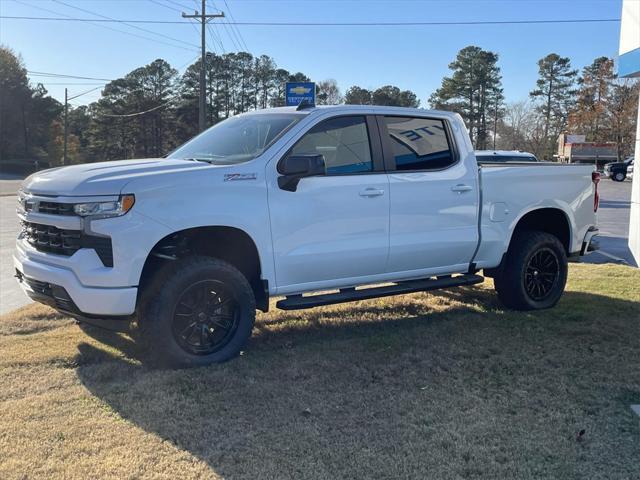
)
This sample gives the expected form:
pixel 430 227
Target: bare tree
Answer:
pixel 522 128
pixel 328 93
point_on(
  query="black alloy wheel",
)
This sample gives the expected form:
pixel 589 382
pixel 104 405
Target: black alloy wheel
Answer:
pixel 199 310
pixel 533 273
pixel 541 274
pixel 205 318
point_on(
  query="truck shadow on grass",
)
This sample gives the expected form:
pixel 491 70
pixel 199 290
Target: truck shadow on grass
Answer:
pixel 399 389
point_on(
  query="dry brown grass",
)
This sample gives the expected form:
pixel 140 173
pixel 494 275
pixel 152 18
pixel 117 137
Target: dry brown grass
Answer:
pixel 442 385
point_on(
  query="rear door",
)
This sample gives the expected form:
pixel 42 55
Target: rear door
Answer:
pixel 434 197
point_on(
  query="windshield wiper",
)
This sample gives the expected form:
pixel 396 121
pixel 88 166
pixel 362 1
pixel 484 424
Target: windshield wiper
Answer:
pixel 193 159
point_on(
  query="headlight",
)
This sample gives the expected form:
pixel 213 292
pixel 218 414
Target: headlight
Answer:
pixel 105 209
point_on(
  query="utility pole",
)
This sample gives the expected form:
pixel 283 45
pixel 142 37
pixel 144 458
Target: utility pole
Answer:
pixel 203 18
pixel 495 124
pixel 66 130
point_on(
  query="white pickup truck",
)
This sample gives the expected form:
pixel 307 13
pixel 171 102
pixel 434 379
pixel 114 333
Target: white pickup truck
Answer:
pixel 287 202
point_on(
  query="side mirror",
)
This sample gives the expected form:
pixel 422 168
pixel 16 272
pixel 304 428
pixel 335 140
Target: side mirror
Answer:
pixel 295 167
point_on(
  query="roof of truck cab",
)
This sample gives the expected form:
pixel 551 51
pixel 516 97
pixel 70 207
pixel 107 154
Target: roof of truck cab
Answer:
pixel 362 109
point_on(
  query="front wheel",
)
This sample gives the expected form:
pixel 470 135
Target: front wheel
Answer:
pixel 535 272
pixel 201 312
pixel 618 177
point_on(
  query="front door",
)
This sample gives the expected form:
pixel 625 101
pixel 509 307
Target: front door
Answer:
pixel 334 227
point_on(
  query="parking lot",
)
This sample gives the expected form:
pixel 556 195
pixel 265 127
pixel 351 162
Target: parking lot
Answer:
pixel 613 220
pixel 11 296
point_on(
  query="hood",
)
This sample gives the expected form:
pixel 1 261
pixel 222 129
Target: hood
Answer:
pixel 102 178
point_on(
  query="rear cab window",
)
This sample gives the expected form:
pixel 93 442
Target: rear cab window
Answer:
pixel 417 143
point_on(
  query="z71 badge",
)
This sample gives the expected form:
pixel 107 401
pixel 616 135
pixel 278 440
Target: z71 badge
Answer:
pixel 232 177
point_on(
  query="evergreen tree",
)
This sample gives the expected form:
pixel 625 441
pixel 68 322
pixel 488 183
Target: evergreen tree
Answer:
pixel 554 94
pixel 135 116
pixel 474 90
pixel 358 96
pixel 393 96
pixel 26 113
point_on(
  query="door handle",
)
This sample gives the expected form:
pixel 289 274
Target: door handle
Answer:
pixel 460 188
pixel 371 192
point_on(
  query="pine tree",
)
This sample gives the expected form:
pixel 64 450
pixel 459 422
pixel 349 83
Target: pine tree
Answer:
pixel 555 94
pixel 474 90
pixel 358 96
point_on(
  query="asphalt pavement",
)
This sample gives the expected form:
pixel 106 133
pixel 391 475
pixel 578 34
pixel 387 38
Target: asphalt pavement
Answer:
pixel 11 296
pixel 613 221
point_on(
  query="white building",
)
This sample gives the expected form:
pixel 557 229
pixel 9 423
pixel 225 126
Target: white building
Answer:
pixel 629 66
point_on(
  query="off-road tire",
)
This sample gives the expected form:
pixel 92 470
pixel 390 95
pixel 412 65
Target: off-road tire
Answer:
pixel 159 302
pixel 511 280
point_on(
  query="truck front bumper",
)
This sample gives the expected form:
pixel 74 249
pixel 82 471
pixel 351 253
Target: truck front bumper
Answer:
pixel 60 288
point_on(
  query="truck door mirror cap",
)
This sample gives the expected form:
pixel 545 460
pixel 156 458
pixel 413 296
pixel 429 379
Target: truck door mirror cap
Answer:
pixel 295 167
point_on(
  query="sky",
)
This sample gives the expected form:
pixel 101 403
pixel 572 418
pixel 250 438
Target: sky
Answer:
pixel 411 57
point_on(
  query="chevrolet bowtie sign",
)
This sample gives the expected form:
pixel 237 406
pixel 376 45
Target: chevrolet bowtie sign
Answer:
pixel 297 92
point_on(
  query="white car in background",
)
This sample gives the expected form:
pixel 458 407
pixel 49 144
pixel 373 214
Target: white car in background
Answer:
pixel 630 171
pixel 504 156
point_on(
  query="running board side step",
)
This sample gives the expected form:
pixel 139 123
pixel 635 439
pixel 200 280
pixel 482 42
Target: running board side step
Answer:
pixel 299 302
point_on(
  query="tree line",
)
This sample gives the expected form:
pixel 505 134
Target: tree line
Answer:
pixel 593 102
pixel 153 109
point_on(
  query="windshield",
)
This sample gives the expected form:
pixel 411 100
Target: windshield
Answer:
pixel 237 139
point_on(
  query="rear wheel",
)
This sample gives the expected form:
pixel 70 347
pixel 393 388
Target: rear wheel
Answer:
pixel 201 311
pixel 535 272
pixel 618 177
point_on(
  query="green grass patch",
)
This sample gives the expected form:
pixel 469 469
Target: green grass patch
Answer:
pixel 445 384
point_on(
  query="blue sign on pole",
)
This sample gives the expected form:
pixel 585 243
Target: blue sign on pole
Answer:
pixel 296 92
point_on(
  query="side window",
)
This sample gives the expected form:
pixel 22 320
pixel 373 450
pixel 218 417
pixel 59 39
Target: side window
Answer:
pixel 419 143
pixel 344 143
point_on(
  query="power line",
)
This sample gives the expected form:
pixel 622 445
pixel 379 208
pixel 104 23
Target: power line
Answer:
pixel 237 30
pixel 83 93
pixel 98 23
pixel 60 75
pixel 128 115
pixel 231 31
pixel 233 40
pixel 325 24
pixel 165 6
pixel 187 63
pixel 181 5
pixel 126 23
pixel 213 35
pixel 69 83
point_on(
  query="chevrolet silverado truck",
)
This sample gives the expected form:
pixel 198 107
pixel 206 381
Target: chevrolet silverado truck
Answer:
pixel 315 205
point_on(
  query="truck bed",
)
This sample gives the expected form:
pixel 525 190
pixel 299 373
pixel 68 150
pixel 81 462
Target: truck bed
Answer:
pixel 510 191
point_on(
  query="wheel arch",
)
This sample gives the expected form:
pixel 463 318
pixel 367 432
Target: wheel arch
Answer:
pixel 552 220
pixel 230 244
